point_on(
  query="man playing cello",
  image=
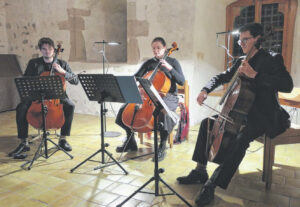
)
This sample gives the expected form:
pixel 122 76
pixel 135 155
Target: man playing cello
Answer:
pixel 34 68
pixel 269 75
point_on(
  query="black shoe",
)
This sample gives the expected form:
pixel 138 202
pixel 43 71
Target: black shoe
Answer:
pixel 21 148
pixel 206 195
pixel 20 156
pixel 194 177
pixel 126 147
pixel 65 145
pixel 161 153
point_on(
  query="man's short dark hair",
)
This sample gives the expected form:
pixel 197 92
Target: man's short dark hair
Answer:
pixel 255 29
pixel 45 40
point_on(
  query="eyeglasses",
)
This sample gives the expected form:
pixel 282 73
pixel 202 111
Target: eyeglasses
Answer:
pixel 244 41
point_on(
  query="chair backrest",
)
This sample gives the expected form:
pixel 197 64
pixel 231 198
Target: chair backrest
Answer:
pixel 185 90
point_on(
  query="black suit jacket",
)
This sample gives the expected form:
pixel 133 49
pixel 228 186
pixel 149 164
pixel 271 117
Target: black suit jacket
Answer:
pixel 271 77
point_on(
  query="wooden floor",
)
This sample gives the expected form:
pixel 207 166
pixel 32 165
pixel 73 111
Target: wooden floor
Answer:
pixel 50 183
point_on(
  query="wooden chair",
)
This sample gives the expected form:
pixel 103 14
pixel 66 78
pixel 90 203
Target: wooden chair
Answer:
pixel 290 136
pixel 181 90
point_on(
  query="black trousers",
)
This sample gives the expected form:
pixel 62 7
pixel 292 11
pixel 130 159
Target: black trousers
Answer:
pixel 22 124
pixel 225 171
pixel 172 102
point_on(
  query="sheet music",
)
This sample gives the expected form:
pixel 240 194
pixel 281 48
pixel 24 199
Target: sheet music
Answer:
pixel 166 109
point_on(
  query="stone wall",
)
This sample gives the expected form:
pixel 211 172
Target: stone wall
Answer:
pixel 3 36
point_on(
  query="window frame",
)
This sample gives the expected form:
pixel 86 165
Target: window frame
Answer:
pixel 287 7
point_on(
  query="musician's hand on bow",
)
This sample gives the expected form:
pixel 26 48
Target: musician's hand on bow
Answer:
pixel 165 64
pixel 201 97
pixel 58 68
pixel 247 70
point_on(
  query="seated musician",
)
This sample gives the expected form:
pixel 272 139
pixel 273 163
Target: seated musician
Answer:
pixel 172 69
pixel 268 76
pixel 34 68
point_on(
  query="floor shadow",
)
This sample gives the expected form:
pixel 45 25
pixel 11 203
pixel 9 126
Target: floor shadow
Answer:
pixel 8 143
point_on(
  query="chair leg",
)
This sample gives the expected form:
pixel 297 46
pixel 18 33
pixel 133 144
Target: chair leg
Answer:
pixel 269 152
pixel 141 136
pixel 266 157
pixel 270 166
pixel 171 137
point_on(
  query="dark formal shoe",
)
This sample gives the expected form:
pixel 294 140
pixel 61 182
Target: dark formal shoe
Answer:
pixel 21 148
pixel 206 195
pixel 65 145
pixel 161 153
pixel 194 177
pixel 20 156
pixel 126 147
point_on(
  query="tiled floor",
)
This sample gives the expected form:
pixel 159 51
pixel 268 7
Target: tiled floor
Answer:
pixel 50 183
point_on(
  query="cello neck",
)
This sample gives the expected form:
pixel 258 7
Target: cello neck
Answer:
pixel 57 51
pixel 157 67
pixel 53 61
pixel 167 53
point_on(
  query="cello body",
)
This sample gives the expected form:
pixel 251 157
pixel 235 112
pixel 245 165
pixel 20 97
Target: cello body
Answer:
pixel 237 106
pixel 139 116
pixel 54 116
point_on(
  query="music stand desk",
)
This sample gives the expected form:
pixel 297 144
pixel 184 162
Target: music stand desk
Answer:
pixel 41 88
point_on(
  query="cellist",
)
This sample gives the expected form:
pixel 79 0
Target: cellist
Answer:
pixel 269 75
pixel 172 69
pixel 35 67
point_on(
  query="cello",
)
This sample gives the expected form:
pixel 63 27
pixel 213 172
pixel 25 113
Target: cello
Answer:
pixel 138 117
pixel 240 97
pixel 55 118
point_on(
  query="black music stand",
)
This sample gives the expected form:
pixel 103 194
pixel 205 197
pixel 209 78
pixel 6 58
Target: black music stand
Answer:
pixel 108 88
pixel 104 59
pixel 41 88
pixel 159 105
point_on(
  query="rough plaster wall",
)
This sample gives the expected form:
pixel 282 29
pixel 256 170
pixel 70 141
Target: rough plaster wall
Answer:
pixel 27 21
pixel 3 37
pixel 109 23
pixel 295 69
pixel 208 57
pixel 171 19
pixel 76 24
